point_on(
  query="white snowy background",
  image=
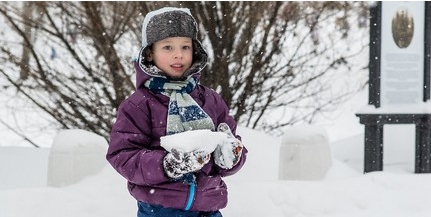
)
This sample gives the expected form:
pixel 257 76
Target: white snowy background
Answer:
pixel 256 190
pixel 69 176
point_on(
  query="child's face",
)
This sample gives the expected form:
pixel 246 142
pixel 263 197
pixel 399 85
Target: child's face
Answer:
pixel 173 55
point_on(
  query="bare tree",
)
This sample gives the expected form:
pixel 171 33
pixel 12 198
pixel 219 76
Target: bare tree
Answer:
pixel 264 56
pixel 268 56
pixel 76 73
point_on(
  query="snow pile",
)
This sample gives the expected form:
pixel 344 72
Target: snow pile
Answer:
pixel 74 155
pixel 254 191
pixel 304 153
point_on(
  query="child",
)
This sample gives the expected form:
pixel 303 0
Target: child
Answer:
pixel 170 101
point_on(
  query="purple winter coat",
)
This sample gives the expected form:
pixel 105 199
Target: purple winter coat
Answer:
pixel 135 151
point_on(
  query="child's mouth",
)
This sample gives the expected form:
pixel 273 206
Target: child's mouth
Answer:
pixel 177 67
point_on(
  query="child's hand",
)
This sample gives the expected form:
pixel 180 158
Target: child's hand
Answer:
pixel 228 154
pixel 177 163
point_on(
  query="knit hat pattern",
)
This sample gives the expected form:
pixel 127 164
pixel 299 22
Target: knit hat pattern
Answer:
pixel 171 22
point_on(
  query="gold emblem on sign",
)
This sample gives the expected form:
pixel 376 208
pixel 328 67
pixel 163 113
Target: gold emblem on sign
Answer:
pixel 403 27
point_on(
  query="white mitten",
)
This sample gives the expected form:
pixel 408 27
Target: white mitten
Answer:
pixel 177 163
pixel 228 154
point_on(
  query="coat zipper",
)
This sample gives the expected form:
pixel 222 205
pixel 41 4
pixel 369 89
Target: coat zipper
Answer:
pixel 192 191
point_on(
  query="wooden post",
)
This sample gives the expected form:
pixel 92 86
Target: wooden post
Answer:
pixel 373 159
pixel 423 145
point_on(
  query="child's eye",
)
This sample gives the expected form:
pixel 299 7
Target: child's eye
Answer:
pixel 167 47
pixel 187 47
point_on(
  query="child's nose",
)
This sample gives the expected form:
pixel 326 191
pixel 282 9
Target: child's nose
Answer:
pixel 178 53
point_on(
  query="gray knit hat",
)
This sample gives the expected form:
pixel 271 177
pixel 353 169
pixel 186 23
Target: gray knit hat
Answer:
pixel 170 22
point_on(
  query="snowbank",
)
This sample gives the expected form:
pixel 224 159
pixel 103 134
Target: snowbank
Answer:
pixel 23 167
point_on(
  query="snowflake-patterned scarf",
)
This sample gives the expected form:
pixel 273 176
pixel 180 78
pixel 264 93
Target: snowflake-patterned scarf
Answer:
pixel 183 113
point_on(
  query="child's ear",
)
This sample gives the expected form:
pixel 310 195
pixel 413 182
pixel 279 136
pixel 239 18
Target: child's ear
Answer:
pixel 149 55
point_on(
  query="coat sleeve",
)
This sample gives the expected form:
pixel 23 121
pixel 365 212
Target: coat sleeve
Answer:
pixel 129 151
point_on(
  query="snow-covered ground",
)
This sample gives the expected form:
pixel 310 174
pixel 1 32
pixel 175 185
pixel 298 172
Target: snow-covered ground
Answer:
pixel 255 191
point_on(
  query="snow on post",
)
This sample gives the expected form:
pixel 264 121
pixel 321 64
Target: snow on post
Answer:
pixel 74 155
pixel 304 153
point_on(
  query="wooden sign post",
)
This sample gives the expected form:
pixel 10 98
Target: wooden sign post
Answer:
pixel 399 79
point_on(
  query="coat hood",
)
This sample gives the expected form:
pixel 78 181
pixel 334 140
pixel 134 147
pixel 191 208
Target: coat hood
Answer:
pixel 164 23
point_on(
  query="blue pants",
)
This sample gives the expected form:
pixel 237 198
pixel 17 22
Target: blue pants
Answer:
pixel 148 210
